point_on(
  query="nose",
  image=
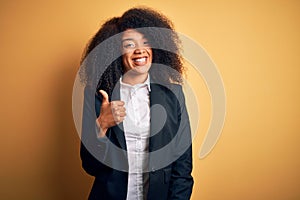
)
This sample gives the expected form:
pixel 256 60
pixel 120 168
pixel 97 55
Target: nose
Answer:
pixel 139 50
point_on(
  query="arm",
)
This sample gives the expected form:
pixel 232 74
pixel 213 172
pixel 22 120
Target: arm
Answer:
pixel 181 183
pixel 99 115
pixel 92 147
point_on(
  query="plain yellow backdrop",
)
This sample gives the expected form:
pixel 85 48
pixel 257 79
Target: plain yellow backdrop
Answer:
pixel 255 45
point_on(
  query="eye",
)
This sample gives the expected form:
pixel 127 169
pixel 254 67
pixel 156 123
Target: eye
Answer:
pixel 128 44
pixel 146 43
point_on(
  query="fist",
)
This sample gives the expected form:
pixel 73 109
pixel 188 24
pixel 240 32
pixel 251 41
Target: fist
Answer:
pixel 111 113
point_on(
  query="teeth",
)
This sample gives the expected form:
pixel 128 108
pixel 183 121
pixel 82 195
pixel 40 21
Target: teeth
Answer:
pixel 140 59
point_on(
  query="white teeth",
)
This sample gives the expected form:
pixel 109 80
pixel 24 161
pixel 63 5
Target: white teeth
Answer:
pixel 140 59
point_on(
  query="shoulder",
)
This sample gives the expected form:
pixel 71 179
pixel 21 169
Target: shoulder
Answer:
pixel 170 93
pixel 168 87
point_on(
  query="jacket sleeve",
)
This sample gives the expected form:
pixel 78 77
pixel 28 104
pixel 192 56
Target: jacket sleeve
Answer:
pixel 181 182
pixel 93 150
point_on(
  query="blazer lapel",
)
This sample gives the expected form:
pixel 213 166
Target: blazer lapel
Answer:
pixel 157 96
pixel 118 129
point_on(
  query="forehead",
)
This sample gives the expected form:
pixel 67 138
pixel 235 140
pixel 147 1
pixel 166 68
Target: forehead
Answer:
pixel 132 34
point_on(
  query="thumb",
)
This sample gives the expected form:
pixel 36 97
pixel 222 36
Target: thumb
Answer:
pixel 105 96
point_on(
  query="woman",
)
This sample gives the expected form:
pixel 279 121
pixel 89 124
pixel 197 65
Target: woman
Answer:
pixel 140 143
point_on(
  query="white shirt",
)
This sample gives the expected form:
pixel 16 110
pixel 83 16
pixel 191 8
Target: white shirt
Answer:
pixel 137 129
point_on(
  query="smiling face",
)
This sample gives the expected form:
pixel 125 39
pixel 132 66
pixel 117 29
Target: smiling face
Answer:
pixel 137 53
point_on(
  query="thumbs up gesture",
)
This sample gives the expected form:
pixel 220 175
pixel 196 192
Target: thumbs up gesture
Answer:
pixel 111 113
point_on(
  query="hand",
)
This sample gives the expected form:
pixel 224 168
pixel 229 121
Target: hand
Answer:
pixel 111 113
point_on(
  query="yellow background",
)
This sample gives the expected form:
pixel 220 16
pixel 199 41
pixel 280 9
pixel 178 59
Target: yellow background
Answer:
pixel 255 45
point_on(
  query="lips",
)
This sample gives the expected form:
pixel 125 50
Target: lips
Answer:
pixel 140 61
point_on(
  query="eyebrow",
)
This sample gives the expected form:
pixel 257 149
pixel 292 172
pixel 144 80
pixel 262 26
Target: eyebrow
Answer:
pixel 126 39
pixel 132 39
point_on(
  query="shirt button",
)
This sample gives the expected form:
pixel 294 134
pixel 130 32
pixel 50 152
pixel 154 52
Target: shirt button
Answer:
pixel 139 145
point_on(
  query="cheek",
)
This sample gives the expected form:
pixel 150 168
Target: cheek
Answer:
pixel 151 55
pixel 125 60
pixel 149 52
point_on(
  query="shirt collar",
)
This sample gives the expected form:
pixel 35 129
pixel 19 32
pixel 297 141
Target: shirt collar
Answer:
pixel 146 83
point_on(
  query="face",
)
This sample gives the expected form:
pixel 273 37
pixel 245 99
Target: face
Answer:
pixel 137 53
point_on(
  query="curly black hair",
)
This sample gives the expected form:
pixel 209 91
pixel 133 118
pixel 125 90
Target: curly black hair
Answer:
pixel 108 65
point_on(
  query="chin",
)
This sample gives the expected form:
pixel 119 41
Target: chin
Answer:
pixel 140 69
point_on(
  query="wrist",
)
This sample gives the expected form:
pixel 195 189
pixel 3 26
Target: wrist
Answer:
pixel 102 129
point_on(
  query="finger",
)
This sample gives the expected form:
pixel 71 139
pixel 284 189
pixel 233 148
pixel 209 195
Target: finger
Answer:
pixel 105 96
pixel 118 109
pixel 122 114
pixel 119 113
pixel 119 119
pixel 114 109
pixel 122 110
pixel 117 103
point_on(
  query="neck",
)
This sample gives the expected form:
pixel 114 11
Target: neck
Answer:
pixel 133 79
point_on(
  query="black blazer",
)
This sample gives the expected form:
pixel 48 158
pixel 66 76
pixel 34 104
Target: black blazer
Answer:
pixel 170 162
